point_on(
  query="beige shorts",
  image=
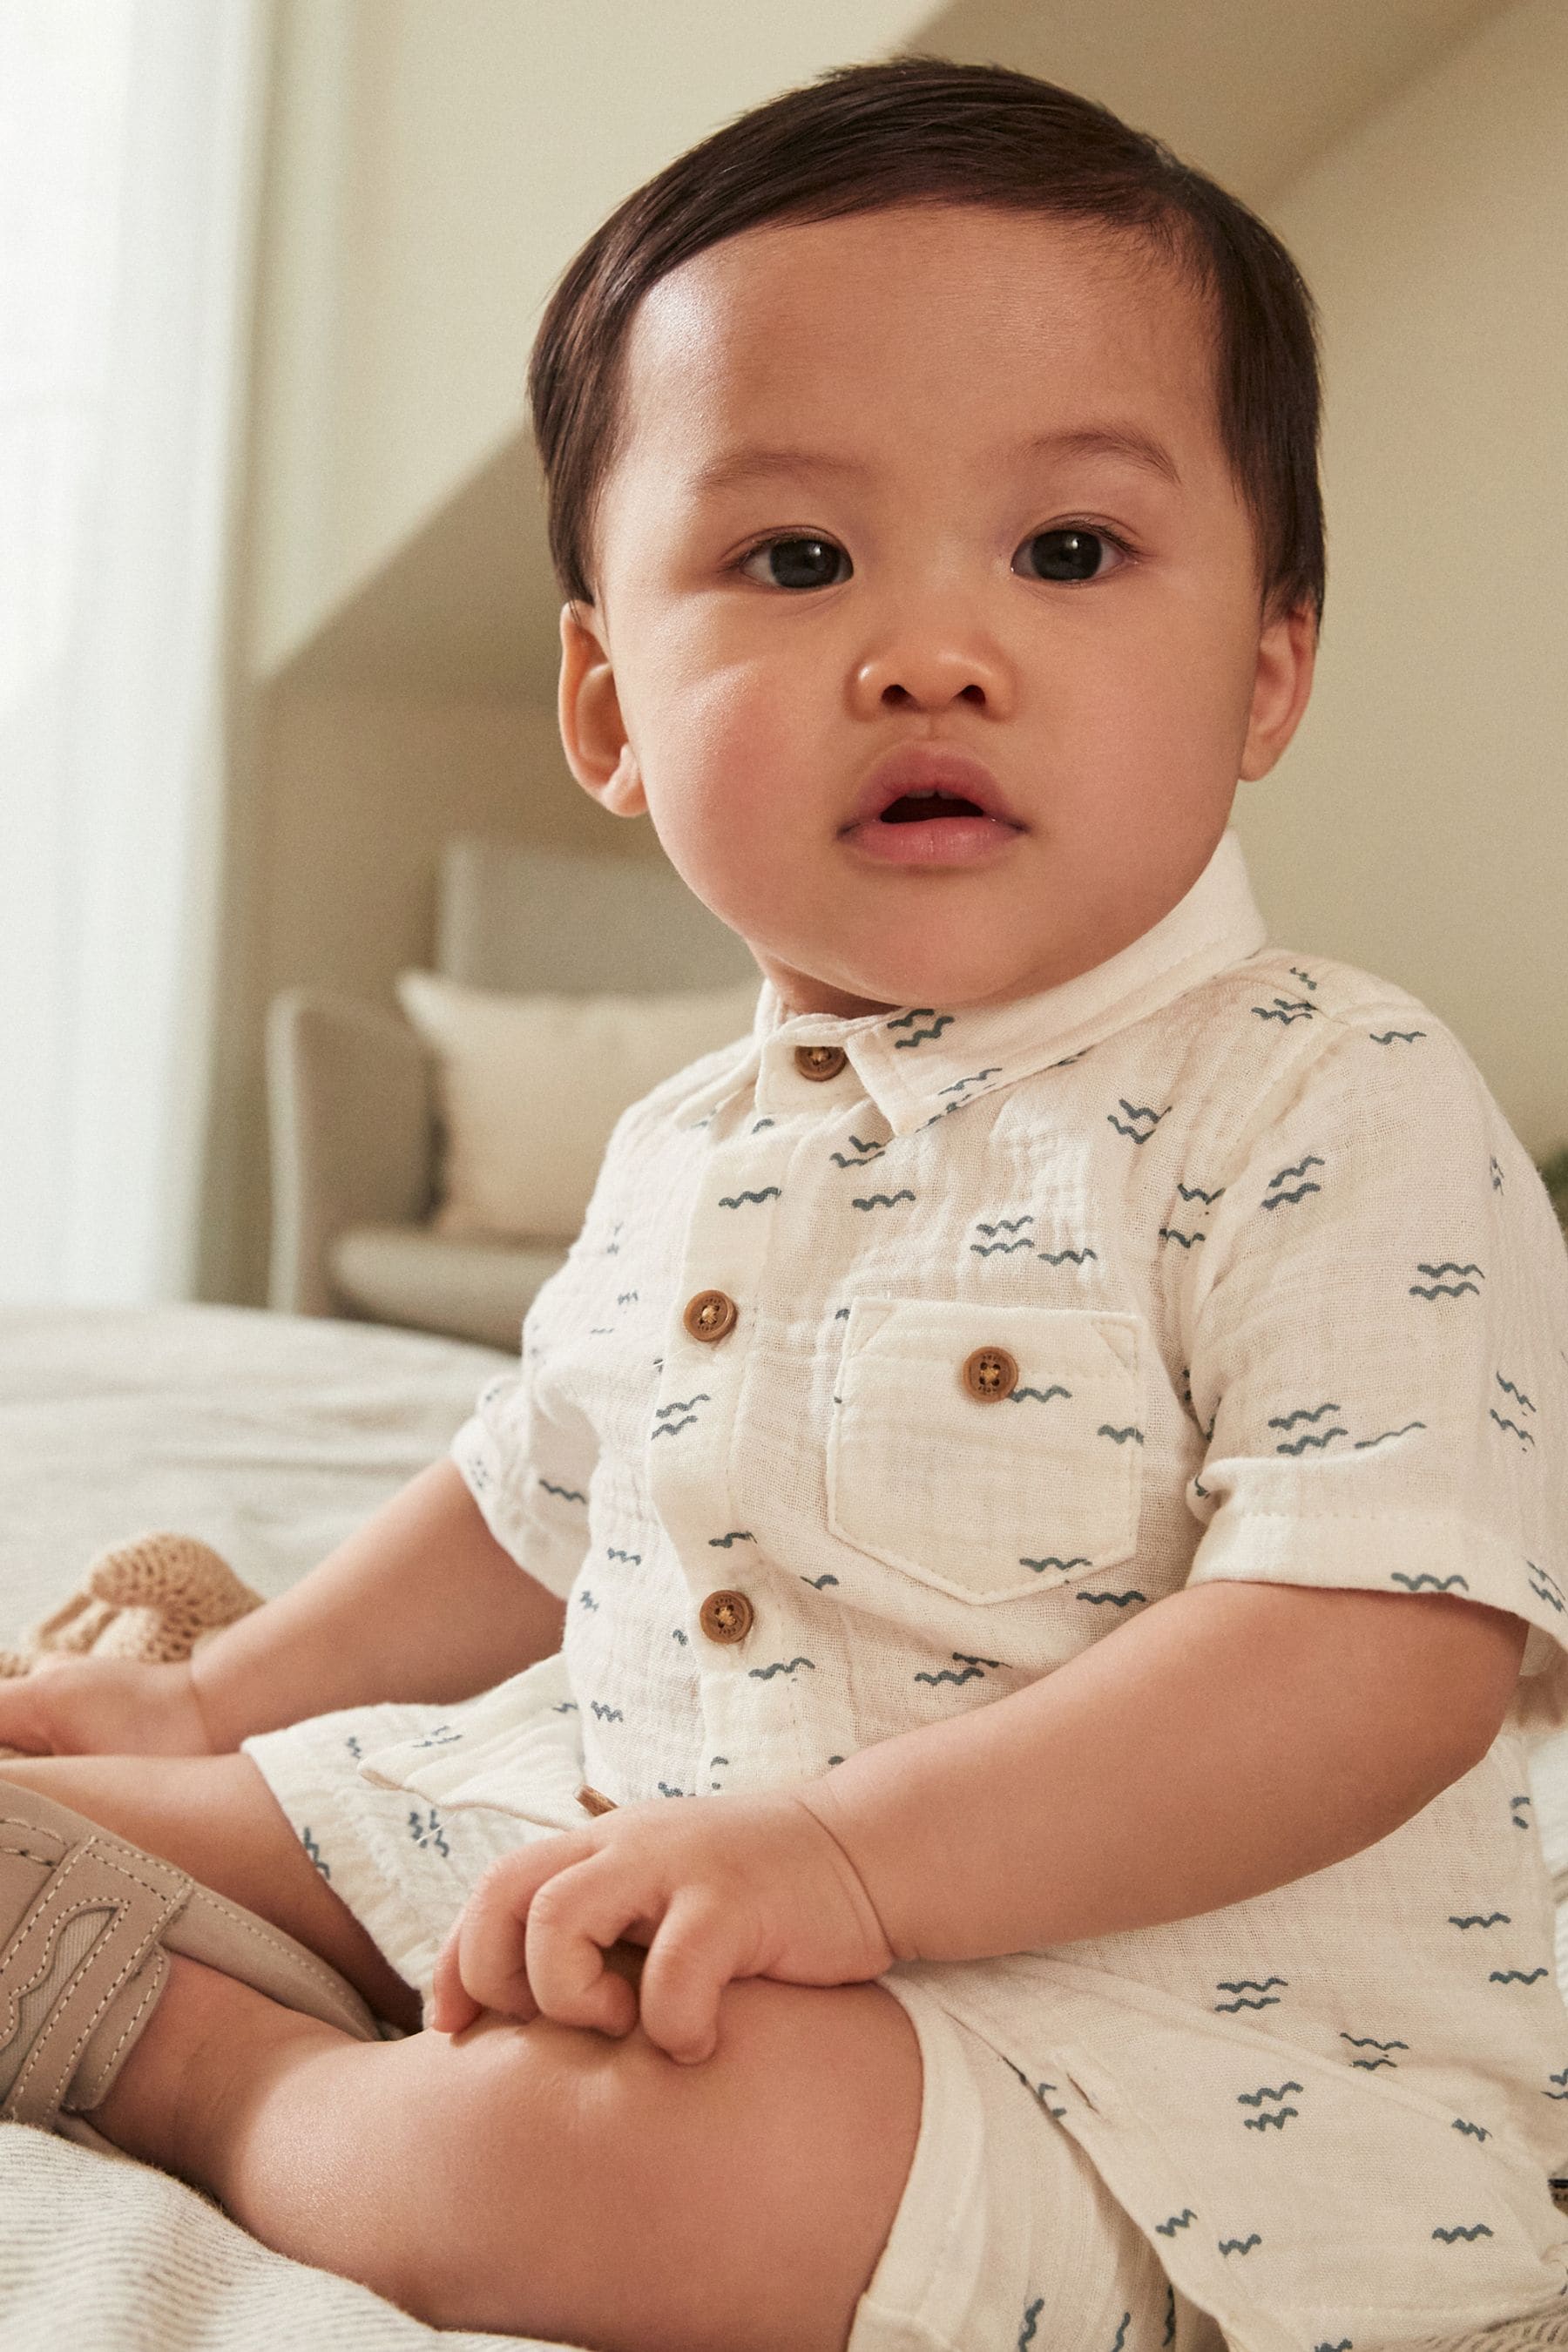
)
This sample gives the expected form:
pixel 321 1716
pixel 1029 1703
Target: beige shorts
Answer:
pixel 1005 2236
pixel 405 1868
pixel 1006 2239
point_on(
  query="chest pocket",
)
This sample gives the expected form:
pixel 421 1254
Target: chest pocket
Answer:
pixel 978 1484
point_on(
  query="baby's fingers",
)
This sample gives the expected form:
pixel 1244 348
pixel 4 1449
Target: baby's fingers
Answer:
pixel 481 1965
pixel 693 1957
pixel 488 1952
pixel 573 1920
pixel 452 2006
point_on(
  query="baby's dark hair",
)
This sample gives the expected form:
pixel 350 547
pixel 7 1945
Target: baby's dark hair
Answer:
pixel 917 130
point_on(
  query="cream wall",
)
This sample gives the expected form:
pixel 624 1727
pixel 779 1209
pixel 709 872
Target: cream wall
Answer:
pixel 353 796
pixel 436 166
pixel 1419 826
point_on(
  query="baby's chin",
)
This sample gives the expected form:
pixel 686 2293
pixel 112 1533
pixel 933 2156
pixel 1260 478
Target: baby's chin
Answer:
pixel 953 982
pixel 808 996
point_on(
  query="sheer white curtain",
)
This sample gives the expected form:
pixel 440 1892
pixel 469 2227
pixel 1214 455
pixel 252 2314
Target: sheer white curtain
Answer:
pixel 128 140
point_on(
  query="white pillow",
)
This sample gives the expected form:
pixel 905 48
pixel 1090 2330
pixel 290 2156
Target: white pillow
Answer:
pixel 529 1089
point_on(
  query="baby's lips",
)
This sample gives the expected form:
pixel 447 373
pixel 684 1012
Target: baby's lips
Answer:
pixel 930 767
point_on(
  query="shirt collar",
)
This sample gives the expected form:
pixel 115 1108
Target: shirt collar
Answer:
pixel 921 1062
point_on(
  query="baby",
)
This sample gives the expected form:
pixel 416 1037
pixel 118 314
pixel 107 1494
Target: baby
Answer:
pixel 1051 1448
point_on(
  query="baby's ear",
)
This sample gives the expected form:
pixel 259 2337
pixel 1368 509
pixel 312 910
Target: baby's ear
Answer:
pixel 1282 680
pixel 593 732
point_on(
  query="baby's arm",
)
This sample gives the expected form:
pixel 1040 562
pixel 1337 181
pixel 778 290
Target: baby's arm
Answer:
pixel 421 1602
pixel 1232 1737
pixel 1237 1736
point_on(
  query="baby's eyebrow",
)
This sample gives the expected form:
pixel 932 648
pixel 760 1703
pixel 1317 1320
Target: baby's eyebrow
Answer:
pixel 1128 443
pixel 752 464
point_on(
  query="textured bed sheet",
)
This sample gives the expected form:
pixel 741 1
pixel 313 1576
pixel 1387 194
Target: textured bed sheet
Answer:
pixel 271 1436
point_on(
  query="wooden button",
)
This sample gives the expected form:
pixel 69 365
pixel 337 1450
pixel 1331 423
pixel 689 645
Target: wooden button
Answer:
pixel 593 1802
pixel 710 1314
pixel 990 1373
pixel 819 1061
pixel 726 1616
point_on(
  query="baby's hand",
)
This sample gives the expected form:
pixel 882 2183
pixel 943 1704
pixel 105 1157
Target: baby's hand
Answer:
pixel 102 1706
pixel 715 1887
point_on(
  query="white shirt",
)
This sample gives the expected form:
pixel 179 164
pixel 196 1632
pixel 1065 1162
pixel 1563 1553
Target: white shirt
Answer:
pixel 1217 1261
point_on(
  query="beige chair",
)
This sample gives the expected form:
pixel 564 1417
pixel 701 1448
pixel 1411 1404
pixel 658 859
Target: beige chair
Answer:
pixel 351 1100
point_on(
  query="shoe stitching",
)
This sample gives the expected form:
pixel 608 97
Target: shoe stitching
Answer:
pixel 40 2046
pixel 31 1853
pixel 298 1956
pixel 127 1856
pixel 283 1948
pixel 18 1994
pixel 286 1950
pixel 111 1995
pixel 93 2096
pixel 51 2025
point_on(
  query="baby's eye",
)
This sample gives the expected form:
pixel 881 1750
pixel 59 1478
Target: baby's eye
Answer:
pixel 800 563
pixel 1070 551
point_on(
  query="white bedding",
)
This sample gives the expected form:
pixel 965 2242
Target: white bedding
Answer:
pixel 271 1437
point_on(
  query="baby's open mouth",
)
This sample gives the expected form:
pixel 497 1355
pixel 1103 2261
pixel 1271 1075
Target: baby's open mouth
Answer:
pixel 913 806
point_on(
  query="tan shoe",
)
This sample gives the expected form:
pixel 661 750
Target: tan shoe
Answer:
pixel 87 1922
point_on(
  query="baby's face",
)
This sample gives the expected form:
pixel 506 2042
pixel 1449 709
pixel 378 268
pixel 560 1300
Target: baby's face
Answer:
pixel 957 569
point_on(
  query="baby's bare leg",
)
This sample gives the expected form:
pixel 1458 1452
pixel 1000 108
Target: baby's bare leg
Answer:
pixel 215 1817
pixel 538 2179
pixel 544 2180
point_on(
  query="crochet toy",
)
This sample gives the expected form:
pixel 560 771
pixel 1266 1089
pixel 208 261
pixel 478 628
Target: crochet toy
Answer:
pixel 156 1599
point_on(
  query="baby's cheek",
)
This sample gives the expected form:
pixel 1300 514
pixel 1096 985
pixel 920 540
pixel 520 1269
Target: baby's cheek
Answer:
pixel 758 745
pixel 735 797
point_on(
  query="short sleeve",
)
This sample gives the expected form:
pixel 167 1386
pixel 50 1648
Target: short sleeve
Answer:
pixel 526 1450
pixel 1376 1336
pixel 528 1463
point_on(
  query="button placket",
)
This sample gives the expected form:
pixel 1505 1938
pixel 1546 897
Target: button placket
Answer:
pixel 711 1316
pixel 712 1321
pixel 726 1616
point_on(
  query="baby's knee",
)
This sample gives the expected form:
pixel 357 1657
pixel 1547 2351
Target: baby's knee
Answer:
pixel 486 2213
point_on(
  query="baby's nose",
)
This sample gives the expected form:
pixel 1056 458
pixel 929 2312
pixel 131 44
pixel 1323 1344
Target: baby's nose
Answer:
pixel 933 667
